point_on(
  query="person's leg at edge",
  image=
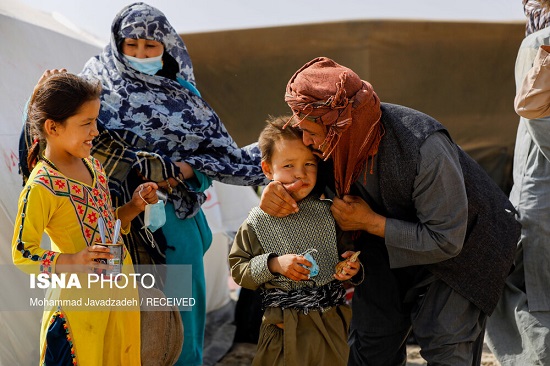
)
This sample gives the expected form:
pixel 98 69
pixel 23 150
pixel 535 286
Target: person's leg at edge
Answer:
pixel 448 328
pixel 516 334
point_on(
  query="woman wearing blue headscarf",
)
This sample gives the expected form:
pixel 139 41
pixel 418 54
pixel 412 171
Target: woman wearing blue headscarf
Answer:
pixel 157 127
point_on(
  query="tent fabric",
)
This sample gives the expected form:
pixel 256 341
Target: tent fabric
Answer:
pixel 461 73
pixel 31 43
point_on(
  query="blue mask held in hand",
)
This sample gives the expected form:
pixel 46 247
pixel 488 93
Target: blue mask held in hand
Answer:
pixel 155 215
pixel 314 269
pixel 149 65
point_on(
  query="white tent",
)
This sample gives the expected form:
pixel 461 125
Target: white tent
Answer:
pixel 32 42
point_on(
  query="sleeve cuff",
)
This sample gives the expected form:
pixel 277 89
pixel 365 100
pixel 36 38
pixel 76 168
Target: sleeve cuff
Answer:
pixel 359 277
pixel 48 262
pixel 259 270
pixel 399 236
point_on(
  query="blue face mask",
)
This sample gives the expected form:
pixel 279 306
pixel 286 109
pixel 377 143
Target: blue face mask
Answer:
pixel 314 269
pixel 149 66
pixel 155 216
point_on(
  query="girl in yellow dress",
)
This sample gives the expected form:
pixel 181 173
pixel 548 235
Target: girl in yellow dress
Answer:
pixel 65 196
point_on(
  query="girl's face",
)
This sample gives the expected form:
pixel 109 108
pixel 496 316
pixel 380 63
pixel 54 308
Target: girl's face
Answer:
pixel 292 161
pixel 74 137
pixel 142 48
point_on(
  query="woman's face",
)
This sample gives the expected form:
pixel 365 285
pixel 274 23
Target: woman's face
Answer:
pixel 142 48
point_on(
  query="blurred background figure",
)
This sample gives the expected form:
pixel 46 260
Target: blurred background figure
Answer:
pixel 518 332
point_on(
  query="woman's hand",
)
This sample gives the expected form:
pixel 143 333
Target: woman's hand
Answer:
pixel 186 172
pixel 289 265
pixel 350 268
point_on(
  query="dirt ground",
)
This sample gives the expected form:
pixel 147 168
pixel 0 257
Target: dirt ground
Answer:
pixel 242 353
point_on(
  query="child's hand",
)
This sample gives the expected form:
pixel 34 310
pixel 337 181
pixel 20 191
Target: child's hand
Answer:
pixel 348 268
pixel 86 259
pixel 145 193
pixel 289 266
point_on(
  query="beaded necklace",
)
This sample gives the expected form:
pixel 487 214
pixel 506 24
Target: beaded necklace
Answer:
pixel 50 163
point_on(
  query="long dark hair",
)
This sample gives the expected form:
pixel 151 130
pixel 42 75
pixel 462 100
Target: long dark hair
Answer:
pixel 58 97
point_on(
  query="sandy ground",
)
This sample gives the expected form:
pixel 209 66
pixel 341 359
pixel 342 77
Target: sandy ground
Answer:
pixel 242 353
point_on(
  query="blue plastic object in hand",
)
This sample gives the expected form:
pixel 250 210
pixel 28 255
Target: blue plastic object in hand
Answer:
pixel 314 269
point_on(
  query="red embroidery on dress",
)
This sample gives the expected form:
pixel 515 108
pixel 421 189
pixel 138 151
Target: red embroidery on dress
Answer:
pixel 92 217
pixel 89 202
pixel 46 262
pixel 60 184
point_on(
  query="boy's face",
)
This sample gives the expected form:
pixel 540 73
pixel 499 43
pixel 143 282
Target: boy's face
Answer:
pixel 291 161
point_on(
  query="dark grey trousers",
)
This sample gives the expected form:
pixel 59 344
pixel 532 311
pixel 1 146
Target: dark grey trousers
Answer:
pixel 448 328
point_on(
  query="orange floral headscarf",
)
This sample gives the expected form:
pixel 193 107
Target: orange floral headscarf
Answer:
pixel 335 96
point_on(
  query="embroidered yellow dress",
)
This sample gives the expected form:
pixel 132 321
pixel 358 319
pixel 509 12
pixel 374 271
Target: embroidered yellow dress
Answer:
pixel 68 211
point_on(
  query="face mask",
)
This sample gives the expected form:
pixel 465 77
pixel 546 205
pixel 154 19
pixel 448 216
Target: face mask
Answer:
pixel 154 216
pixel 149 66
pixel 314 269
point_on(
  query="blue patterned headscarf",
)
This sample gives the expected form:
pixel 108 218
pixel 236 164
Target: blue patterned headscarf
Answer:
pixel 167 113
